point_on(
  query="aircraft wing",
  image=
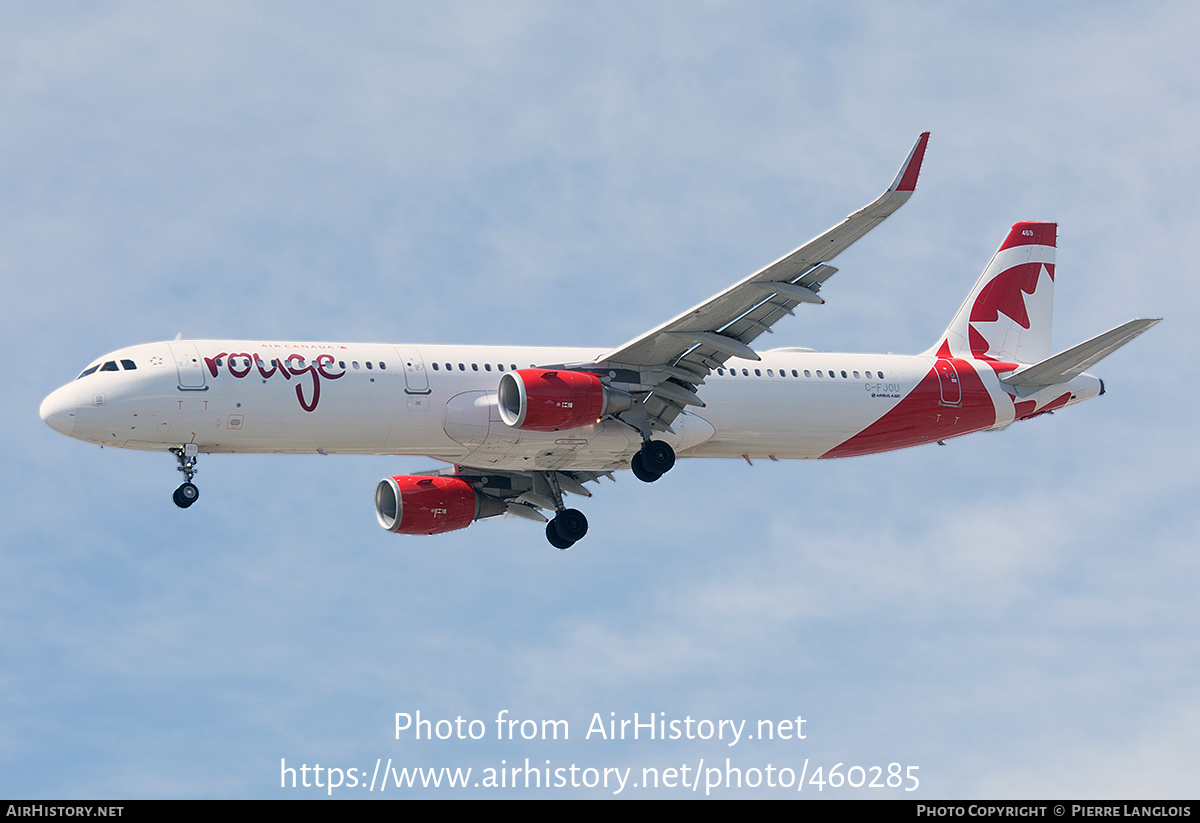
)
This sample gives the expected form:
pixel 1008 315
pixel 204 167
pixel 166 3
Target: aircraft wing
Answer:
pixel 673 359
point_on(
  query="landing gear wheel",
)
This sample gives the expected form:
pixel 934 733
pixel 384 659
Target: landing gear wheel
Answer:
pixel 556 541
pixel 186 495
pixel 657 457
pixel 639 470
pixel 570 525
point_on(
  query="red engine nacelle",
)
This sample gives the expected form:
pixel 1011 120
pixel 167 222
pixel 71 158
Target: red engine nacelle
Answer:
pixel 408 504
pixel 550 400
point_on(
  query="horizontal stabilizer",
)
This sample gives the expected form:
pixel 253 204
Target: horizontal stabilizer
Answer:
pixel 1076 360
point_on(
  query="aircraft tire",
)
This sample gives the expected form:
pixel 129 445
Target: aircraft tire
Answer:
pixel 657 456
pixel 639 470
pixel 570 524
pixel 555 540
pixel 186 495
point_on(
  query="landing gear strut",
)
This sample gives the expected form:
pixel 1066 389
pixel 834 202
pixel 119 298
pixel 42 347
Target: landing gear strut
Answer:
pixel 187 494
pixel 654 460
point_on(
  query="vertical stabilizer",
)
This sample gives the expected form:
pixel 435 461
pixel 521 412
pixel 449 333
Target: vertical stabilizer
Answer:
pixel 1007 316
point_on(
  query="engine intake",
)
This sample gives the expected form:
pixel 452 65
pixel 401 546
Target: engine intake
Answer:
pixel 407 504
pixel 550 400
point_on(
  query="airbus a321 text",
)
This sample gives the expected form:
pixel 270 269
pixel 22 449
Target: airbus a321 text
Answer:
pixel 520 427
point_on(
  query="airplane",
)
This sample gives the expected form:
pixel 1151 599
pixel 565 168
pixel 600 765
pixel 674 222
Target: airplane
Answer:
pixel 520 427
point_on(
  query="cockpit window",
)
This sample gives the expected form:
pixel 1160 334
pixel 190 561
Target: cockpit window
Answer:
pixel 108 365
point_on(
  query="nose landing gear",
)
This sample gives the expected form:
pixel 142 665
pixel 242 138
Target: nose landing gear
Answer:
pixel 186 494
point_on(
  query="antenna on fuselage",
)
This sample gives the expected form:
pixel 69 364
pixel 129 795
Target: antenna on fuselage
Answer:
pixel 179 336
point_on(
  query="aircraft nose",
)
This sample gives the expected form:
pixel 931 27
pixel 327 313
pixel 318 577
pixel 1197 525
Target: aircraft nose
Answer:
pixel 58 410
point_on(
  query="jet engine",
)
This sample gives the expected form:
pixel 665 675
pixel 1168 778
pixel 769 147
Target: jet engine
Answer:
pixel 550 400
pixel 408 504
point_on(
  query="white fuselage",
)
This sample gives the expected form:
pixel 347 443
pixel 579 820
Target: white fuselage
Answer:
pixel 440 401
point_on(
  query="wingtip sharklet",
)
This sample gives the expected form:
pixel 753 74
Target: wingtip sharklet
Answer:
pixel 906 180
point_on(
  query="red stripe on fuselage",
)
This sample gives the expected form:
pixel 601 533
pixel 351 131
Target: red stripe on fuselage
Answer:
pixel 1026 409
pixel 922 417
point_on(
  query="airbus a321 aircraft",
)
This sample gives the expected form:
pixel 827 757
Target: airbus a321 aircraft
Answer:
pixel 522 426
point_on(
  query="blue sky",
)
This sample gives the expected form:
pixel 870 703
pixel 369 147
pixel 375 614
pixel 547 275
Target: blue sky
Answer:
pixel 1013 613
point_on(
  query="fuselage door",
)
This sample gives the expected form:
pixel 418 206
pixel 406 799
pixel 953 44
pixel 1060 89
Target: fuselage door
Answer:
pixel 189 365
pixel 949 382
pixel 416 380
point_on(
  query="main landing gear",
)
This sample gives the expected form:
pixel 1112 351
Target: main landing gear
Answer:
pixel 187 494
pixel 654 460
pixel 567 527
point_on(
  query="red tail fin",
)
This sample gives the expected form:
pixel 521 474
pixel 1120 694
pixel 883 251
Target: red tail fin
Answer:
pixel 1008 314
